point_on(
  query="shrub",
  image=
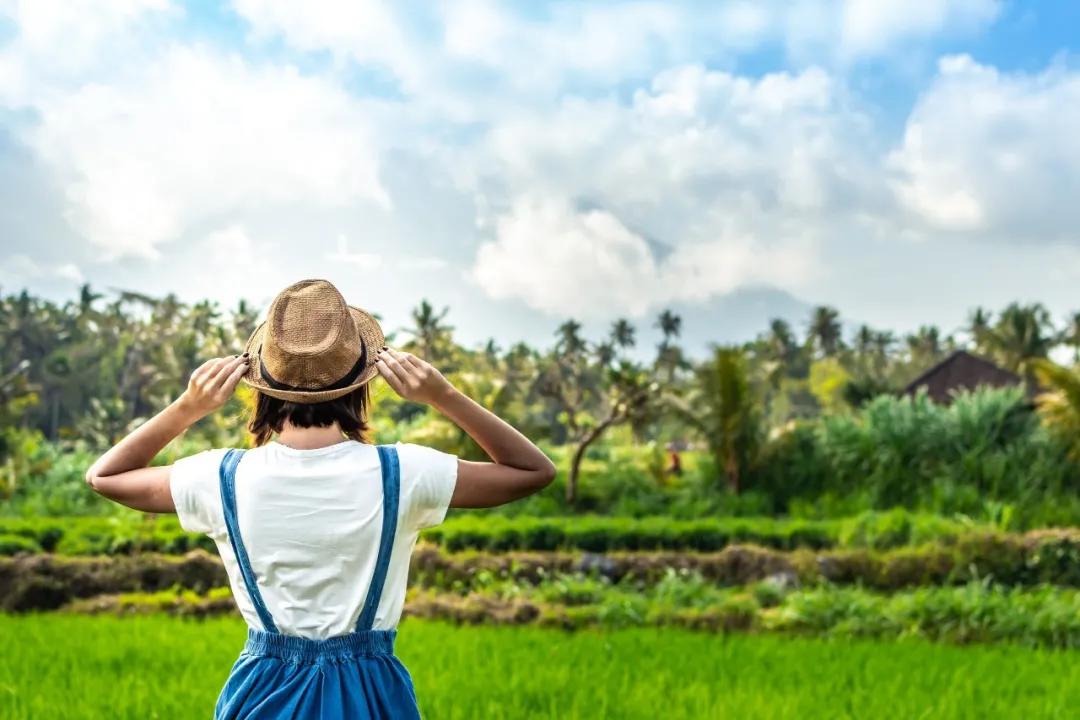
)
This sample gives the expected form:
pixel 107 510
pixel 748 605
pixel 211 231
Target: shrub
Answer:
pixel 15 544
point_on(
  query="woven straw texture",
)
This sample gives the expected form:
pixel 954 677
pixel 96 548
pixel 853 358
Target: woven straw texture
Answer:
pixel 312 339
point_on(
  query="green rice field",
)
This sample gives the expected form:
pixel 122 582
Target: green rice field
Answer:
pixel 66 666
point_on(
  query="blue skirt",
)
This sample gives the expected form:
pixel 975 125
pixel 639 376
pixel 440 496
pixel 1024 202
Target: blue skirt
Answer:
pixel 351 676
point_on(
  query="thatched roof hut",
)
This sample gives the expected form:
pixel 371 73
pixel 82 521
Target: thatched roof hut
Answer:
pixel 962 371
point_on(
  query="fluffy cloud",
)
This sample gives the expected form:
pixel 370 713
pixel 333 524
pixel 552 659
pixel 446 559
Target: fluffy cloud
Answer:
pixel 581 263
pixel 611 166
pixel 198 134
pixel 92 36
pixel 994 153
pixel 726 182
pixel 20 270
pixel 586 263
pixel 873 27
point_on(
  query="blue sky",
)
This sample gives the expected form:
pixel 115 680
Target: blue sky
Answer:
pixel 903 160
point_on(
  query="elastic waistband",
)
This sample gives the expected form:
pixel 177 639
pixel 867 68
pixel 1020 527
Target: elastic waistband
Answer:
pixel 299 649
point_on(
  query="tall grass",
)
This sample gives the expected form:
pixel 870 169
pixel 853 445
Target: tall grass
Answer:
pixel 986 456
pixel 154 667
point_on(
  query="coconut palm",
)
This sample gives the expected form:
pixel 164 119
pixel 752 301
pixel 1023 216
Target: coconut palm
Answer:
pixel 1023 333
pixel 1059 404
pixel 1071 335
pixel 569 340
pixel 431 335
pixel 724 408
pixel 978 327
pixel 622 334
pixel 825 332
pixel 670 325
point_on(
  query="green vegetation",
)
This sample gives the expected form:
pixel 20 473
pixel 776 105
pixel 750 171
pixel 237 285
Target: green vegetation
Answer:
pixel 157 667
pixel 807 498
pixel 132 532
pixel 806 427
pixel 978 612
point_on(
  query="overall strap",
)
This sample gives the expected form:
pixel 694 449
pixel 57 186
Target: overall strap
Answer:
pixel 228 505
pixel 391 479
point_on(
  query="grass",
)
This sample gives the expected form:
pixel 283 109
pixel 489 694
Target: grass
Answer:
pixel 157 667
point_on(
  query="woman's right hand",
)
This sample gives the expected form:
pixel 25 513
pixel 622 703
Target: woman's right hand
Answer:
pixel 212 384
pixel 412 378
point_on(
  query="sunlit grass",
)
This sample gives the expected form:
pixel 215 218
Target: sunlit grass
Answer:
pixel 55 666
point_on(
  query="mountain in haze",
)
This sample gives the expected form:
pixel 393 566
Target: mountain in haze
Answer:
pixel 739 316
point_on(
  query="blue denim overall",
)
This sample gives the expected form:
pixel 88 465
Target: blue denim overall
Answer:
pixel 349 676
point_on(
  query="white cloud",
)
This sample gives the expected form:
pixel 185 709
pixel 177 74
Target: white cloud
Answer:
pixel 567 262
pixel 874 27
pixel 20 270
pixel 59 41
pixel 199 135
pixel 343 255
pixel 704 183
pixel 849 31
pixel 588 264
pixel 994 153
pixel 368 31
pixel 70 271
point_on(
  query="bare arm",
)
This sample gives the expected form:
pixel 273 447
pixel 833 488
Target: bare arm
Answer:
pixel 519 468
pixel 122 475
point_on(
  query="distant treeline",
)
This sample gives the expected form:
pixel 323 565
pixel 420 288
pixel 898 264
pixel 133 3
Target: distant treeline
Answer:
pixel 788 415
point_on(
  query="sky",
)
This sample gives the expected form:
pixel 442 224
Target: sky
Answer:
pixel 527 162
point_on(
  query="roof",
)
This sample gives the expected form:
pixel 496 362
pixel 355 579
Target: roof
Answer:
pixel 961 371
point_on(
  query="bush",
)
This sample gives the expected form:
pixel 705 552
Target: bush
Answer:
pixel 15 544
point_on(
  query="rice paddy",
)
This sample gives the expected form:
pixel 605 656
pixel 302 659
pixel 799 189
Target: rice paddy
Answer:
pixel 68 666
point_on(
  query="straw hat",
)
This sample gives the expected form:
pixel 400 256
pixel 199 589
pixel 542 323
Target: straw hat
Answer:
pixel 312 347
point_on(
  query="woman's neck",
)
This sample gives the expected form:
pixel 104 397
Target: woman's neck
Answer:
pixel 309 438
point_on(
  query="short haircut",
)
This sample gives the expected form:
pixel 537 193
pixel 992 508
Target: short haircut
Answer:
pixel 348 411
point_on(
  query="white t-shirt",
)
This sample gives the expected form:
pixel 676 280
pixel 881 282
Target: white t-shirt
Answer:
pixel 311 521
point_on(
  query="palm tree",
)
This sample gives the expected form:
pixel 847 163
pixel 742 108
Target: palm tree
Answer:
pixel 979 327
pixel 430 334
pixel 669 356
pixel 670 324
pixel 864 340
pixel 622 334
pixel 924 345
pixel 1071 336
pixel 1022 333
pixel 723 407
pixel 1059 405
pixel 825 332
pixel 569 340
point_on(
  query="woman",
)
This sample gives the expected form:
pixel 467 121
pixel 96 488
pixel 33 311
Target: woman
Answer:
pixel 315 527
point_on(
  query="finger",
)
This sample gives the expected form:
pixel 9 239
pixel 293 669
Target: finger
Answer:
pixel 233 379
pixel 388 375
pixel 396 367
pixel 407 360
pixel 226 369
pixel 412 360
pixel 198 372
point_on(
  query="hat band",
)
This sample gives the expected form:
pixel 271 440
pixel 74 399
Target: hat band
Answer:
pixel 345 381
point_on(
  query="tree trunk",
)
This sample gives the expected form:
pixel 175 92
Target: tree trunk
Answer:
pixel 731 469
pixel 579 455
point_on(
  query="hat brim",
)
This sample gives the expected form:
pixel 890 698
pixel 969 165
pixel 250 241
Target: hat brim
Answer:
pixel 371 335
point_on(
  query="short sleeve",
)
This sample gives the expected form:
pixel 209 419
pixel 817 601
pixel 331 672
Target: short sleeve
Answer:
pixel 193 483
pixel 428 478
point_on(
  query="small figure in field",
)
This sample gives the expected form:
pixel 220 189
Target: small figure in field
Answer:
pixel 674 460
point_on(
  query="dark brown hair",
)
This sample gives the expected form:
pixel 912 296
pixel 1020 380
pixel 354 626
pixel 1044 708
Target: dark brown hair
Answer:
pixel 348 411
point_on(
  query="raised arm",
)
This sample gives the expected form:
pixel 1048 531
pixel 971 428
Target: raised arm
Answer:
pixel 519 468
pixel 122 475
